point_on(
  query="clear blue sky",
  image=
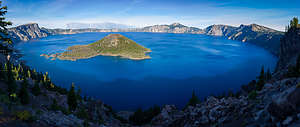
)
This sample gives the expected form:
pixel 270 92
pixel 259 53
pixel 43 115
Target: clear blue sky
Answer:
pixel 199 13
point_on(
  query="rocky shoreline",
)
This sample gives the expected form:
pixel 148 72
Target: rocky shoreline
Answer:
pixel 60 57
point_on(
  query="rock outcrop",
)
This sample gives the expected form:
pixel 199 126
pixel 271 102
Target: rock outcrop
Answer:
pixel 27 32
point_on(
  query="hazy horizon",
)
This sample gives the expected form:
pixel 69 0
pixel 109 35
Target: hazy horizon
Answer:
pixel 141 13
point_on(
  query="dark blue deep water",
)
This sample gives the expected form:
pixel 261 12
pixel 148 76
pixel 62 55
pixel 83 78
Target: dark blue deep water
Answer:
pixel 180 64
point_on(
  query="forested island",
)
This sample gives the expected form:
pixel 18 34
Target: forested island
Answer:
pixel 111 45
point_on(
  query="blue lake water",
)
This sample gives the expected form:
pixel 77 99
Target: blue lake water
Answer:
pixel 180 63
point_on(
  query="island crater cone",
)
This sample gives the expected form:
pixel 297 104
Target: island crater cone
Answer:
pixel 111 45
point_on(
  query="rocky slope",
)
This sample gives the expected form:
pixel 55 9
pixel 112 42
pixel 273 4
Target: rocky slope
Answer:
pixel 27 32
pixel 274 106
pixel 255 34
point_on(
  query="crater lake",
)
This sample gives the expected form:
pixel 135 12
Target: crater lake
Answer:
pixel 179 65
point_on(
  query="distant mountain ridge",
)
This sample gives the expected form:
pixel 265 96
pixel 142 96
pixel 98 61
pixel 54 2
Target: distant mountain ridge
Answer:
pixel 105 25
pixel 256 34
pixel 259 35
pixel 173 28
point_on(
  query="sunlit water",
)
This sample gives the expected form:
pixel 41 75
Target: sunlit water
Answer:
pixel 180 63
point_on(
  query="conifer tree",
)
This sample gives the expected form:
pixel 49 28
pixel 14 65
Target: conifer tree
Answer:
pixel 297 68
pixel 261 79
pixel 29 74
pixel 3 75
pixel 72 98
pixel 23 93
pixel 16 72
pixel 294 22
pixel 194 100
pixel 268 75
pixel 3 29
pixel 78 93
pixel 11 82
pixel 36 90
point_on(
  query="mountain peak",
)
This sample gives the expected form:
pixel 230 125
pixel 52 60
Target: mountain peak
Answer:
pixel 176 24
pixel 29 24
pixel 257 28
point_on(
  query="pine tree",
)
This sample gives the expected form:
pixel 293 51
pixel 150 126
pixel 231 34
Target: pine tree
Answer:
pixel 138 117
pixel 261 79
pixel 297 68
pixel 34 75
pixel 294 22
pixel 29 74
pixel 3 25
pixel 2 73
pixel 78 93
pixel 54 106
pixel 16 72
pixel 11 82
pixel 23 93
pixel 268 75
pixel 72 98
pixel 194 100
pixel 36 90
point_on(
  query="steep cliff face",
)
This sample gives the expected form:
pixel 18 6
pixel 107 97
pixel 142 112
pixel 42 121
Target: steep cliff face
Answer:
pixel 27 32
pixel 220 30
pixel 289 48
pixel 255 34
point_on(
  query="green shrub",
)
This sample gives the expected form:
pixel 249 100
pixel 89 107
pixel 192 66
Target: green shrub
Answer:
pixel 23 93
pixel 122 120
pixel 82 114
pixel 100 120
pixel 4 99
pixel 252 95
pixel 298 85
pixel 65 111
pixel 54 106
pixel 141 117
pixel 36 90
pixel 86 123
pixel 1 110
pixel 39 112
pixel 23 115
